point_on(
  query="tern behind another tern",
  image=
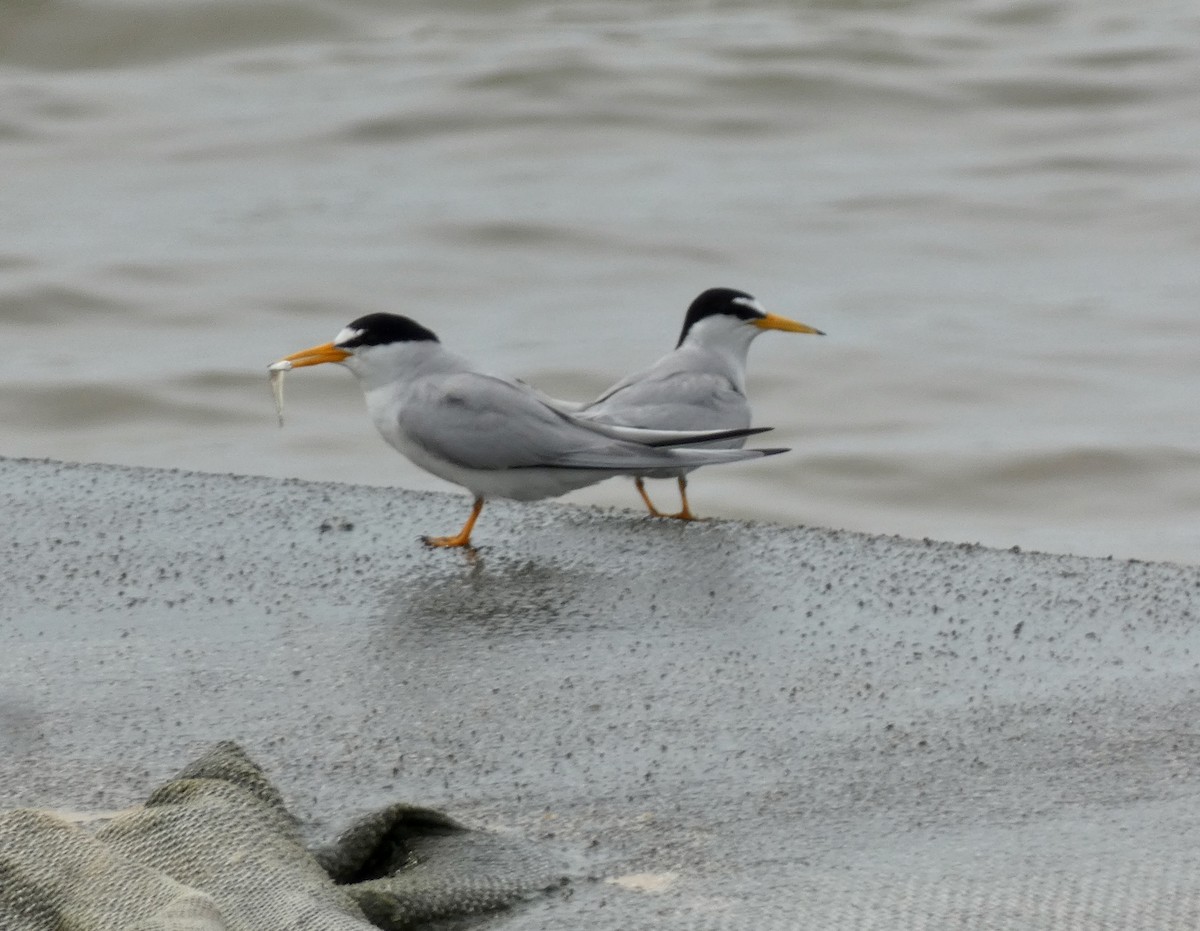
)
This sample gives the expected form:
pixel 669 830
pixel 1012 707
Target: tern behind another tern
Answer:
pixel 701 385
pixel 494 436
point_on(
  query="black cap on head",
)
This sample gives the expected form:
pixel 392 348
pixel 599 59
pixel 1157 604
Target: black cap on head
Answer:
pixel 715 301
pixel 381 329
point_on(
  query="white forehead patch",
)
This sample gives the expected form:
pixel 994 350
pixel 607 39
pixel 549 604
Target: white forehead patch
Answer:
pixel 751 303
pixel 347 335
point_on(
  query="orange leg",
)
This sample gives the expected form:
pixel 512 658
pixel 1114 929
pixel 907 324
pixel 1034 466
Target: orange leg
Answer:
pixel 686 513
pixel 463 537
pixel 641 487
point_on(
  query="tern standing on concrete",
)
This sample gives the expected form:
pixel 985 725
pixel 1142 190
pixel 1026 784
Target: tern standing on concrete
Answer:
pixel 701 385
pixel 494 436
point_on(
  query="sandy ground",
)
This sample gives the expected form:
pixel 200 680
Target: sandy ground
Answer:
pixel 716 725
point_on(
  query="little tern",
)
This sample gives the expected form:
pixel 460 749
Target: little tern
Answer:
pixel 701 385
pixel 496 437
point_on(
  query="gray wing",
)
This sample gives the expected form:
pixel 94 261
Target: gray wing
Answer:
pixel 481 422
pixel 559 404
pixel 678 400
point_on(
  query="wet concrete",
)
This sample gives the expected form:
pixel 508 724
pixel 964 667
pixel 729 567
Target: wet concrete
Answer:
pixel 718 725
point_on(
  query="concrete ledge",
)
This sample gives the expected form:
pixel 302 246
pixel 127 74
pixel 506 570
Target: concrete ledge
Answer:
pixel 722 724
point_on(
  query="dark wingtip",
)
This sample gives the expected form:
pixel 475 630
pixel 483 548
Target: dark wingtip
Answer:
pixel 714 436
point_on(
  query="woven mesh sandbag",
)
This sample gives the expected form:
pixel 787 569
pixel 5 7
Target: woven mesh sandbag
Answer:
pixel 216 850
pixel 222 828
pixel 54 875
pixel 406 866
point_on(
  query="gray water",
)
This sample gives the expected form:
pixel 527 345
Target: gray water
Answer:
pixel 993 209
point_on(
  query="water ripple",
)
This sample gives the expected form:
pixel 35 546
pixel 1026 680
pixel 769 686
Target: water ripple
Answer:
pixel 41 303
pixel 65 35
pixel 93 405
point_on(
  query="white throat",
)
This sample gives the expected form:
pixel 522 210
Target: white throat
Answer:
pixel 724 343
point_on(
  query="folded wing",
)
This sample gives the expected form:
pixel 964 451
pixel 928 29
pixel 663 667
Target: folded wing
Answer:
pixel 482 422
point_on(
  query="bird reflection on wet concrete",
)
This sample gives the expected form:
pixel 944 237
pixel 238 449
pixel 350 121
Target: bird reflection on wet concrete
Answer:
pixel 583 581
pixel 497 595
pixel 20 726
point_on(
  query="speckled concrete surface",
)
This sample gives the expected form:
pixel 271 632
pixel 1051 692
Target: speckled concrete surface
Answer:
pixel 718 724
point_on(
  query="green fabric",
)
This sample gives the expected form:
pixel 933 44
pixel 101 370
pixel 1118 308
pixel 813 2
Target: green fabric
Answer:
pixel 215 849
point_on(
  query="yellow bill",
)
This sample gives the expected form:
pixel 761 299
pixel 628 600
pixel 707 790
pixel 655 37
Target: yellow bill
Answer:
pixel 775 322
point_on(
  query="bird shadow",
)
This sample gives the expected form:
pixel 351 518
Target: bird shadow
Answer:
pixel 494 596
pixel 20 726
